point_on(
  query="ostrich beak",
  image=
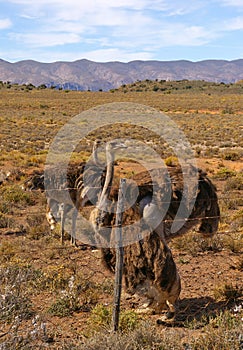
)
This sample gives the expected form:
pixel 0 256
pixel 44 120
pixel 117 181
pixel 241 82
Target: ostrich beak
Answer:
pixel 122 146
pixel 118 146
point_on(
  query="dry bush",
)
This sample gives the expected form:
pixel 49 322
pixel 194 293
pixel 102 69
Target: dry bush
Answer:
pixel 14 298
pixel 194 243
pixel 231 155
pixel 234 183
pixel 144 336
pixel 227 292
pixel 222 332
pixel 233 241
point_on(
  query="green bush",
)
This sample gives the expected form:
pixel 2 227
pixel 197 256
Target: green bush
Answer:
pixel 14 194
pixel 101 318
pixel 224 173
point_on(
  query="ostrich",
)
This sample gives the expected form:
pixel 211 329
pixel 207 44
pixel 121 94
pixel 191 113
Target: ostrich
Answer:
pixel 59 202
pixel 61 197
pixel 99 214
pixel 149 269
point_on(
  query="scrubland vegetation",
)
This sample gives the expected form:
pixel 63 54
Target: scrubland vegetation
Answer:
pixel 60 297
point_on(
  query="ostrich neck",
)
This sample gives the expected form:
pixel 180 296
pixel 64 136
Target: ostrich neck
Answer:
pixel 95 156
pixel 108 180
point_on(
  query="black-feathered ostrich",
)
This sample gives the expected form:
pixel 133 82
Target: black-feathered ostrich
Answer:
pixel 62 194
pixel 149 268
pixel 66 191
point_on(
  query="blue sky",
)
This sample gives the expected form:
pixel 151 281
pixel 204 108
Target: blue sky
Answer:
pixel 121 30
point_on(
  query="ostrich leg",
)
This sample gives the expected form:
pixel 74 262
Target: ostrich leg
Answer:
pixel 62 215
pixel 73 232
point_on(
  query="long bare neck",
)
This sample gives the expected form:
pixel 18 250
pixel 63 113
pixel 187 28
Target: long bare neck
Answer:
pixel 108 179
pixel 95 154
pixel 96 158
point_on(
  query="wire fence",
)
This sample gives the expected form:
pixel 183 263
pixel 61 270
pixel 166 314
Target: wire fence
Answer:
pixel 239 197
pixel 197 218
pixel 223 199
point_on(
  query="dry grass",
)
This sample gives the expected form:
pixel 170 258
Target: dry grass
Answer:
pixel 60 297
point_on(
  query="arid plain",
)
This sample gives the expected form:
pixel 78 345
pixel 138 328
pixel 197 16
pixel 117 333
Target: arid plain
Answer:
pixel 60 297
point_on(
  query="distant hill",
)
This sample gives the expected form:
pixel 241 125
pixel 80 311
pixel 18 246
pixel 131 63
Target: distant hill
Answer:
pixel 181 86
pixel 88 75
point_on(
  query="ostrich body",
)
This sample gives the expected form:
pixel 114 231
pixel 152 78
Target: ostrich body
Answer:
pixel 68 192
pixel 80 192
pixel 61 195
pixel 149 269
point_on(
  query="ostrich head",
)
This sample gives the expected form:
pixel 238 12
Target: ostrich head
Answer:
pixel 113 146
pixel 96 145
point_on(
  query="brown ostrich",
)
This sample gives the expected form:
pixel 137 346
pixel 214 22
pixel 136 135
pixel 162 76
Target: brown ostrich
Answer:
pixel 61 194
pixel 149 269
pixel 66 191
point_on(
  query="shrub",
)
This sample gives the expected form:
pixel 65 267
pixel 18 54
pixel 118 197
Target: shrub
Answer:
pixel 101 318
pixel 13 304
pixel 7 251
pixel 15 195
pixel 231 155
pixel 68 302
pixel 4 220
pixel 144 337
pixel 234 242
pixel 14 301
pixel 224 173
pixel 194 243
pixel 171 161
pixel 234 183
pixel 61 308
pixel 227 292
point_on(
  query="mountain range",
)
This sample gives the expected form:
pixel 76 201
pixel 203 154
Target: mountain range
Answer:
pixel 88 75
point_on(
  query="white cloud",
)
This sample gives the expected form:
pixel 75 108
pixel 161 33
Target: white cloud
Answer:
pixel 45 39
pixel 102 55
pixel 166 35
pixel 28 16
pixel 78 9
pixel 234 24
pixel 96 13
pixel 125 30
pixel 110 28
pixel 108 55
pixel 122 24
pixel 136 4
pixel 237 3
pixel 5 23
pixel 185 35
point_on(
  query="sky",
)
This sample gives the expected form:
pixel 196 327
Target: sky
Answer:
pixel 121 30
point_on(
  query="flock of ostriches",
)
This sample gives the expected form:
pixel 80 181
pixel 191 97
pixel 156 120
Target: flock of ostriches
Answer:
pixel 149 270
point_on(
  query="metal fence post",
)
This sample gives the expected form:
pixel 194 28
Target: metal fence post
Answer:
pixel 119 255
